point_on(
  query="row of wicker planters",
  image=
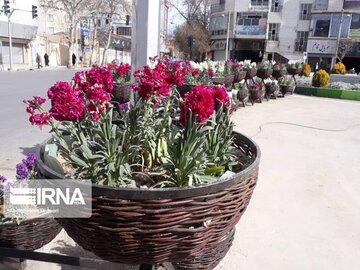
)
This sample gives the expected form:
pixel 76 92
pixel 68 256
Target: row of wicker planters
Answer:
pixel 121 92
pixel 268 91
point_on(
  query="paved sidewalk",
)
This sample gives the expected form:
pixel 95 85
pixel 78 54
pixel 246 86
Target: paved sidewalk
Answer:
pixel 305 211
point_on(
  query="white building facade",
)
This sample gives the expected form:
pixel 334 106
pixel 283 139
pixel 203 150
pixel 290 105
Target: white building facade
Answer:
pixel 23 28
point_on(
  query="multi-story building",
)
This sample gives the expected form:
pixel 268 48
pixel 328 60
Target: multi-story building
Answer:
pixel 334 30
pixel 281 29
pixel 24 29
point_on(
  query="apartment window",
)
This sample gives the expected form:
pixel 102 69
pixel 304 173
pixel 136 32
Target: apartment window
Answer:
pixel 50 17
pixel 301 41
pixel 321 4
pixel 259 2
pixel 51 30
pixel 218 25
pixel 98 22
pixel 67 18
pixel 305 12
pixel 250 18
pixel 275 6
pixel 221 2
pixel 274 31
pixel 322 28
pixel 124 31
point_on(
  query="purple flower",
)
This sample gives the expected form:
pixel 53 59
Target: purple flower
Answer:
pixel 29 161
pixel 22 171
pixel 2 178
pixel 123 106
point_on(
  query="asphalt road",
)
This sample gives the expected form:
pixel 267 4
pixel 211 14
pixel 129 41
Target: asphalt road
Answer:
pixel 17 136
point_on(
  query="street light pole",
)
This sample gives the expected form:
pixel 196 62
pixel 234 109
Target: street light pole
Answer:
pixel 227 37
pixel 10 40
pixel 338 39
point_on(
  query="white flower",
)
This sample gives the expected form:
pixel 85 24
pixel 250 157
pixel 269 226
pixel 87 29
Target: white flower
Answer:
pixel 253 65
pixel 268 81
pixel 247 63
pixel 204 66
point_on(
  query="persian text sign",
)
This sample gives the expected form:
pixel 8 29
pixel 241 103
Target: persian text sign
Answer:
pixel 321 46
pixel 218 45
pixel 47 198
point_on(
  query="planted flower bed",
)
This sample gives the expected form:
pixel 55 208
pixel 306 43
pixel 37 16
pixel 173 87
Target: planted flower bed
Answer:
pixel 328 92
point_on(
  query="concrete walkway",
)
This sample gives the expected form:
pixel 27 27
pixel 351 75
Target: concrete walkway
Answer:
pixel 305 212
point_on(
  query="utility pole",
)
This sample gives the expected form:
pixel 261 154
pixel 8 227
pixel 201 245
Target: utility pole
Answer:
pixel 8 13
pixel 338 39
pixel 227 38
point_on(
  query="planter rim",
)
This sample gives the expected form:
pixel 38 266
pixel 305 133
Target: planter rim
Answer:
pixel 159 193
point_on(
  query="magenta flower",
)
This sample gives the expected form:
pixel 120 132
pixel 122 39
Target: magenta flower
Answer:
pixel 200 100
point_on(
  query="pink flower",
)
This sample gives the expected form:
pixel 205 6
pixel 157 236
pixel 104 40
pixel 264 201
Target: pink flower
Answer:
pixel 40 119
pixel 66 103
pixel 35 103
pixel 97 94
pixel 220 96
pixel 211 72
pixel 200 100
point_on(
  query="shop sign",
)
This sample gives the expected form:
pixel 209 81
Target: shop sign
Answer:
pixel 321 46
pixel 219 45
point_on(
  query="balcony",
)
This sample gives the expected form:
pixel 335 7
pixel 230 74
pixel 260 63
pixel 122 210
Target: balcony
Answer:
pixel 214 8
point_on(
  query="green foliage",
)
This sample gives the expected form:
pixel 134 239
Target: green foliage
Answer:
pixel 339 68
pixel 321 78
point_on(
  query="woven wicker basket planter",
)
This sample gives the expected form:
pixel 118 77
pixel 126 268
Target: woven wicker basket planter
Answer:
pixel 256 95
pixel 271 90
pixel 121 92
pixel 30 234
pixel 293 71
pixel 251 73
pixel 278 73
pixel 184 89
pixel 286 89
pixel 229 79
pixel 151 226
pixel 264 73
pixel 209 259
pixel 240 76
pixel 243 96
pixel 218 80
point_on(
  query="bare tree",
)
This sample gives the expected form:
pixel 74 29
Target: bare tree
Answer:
pixel 345 46
pixel 75 10
pixel 197 18
pixel 114 9
pixel 199 38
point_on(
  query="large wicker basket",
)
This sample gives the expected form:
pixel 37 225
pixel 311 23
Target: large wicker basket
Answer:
pixel 218 80
pixel 271 90
pixel 157 225
pixel 278 73
pixel 251 73
pixel 256 95
pixel 264 73
pixel 240 76
pixel 30 234
pixel 121 92
pixel 229 79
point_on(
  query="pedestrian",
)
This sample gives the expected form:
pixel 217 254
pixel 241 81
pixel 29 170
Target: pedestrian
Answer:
pixel 38 60
pixel 73 59
pixel 46 59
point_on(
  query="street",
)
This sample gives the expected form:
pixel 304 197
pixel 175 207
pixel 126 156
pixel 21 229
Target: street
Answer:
pixel 17 136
